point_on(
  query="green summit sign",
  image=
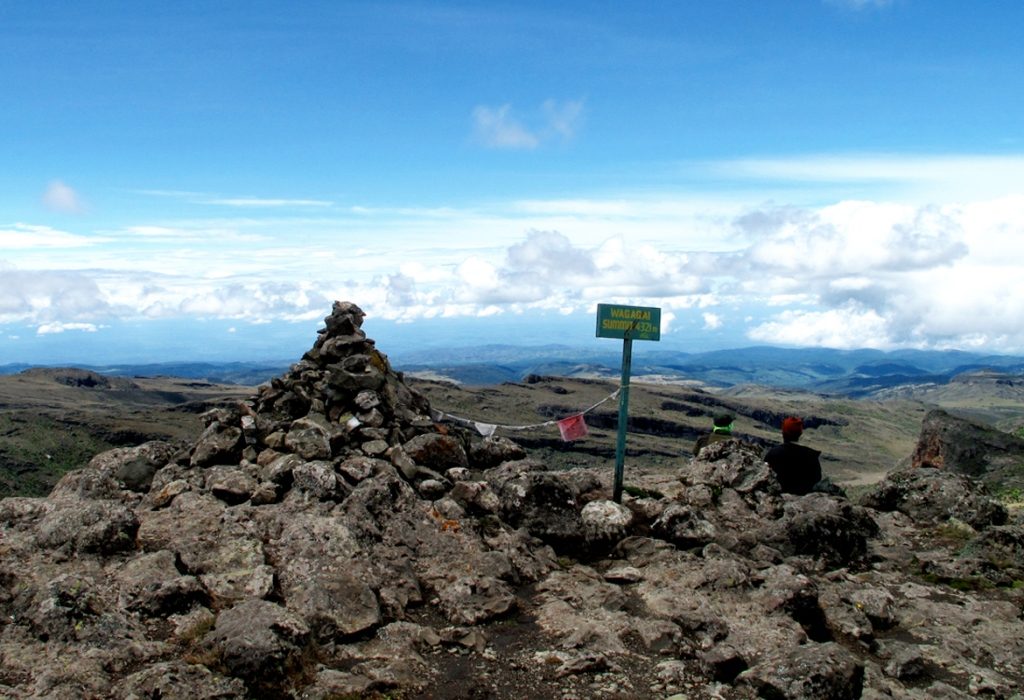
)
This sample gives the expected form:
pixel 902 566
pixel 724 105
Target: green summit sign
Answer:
pixel 628 322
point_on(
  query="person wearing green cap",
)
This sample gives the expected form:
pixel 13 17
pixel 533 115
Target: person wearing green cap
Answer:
pixel 722 430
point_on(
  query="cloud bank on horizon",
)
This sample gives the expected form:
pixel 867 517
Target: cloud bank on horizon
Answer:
pixel 807 175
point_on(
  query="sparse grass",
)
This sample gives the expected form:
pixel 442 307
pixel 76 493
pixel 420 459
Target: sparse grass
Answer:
pixel 36 450
pixel 1010 496
pixel 48 428
pixel 955 532
pixel 637 492
pixel 872 438
pixel 967 584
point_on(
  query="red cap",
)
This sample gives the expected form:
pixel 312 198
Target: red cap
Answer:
pixel 792 428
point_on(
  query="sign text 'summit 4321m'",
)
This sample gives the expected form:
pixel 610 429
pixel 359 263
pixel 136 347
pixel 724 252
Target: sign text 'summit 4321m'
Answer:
pixel 632 322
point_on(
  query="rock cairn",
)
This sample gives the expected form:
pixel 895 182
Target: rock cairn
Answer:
pixel 342 400
pixel 327 539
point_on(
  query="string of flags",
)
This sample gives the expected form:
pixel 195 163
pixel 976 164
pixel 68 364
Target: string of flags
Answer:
pixel 570 428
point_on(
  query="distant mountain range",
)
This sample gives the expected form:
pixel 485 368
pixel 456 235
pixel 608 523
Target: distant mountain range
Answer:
pixel 243 373
pixel 853 373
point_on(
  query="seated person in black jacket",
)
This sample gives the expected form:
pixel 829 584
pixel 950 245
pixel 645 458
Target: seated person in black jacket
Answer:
pixel 796 466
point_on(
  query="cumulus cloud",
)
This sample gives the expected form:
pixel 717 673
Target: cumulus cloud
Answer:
pixel 548 270
pixel 712 321
pixel 848 273
pixel 499 127
pixel 49 296
pixel 61 198
pixel 851 238
pixel 860 274
pixel 845 328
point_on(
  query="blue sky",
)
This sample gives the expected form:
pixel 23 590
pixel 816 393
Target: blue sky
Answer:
pixel 200 180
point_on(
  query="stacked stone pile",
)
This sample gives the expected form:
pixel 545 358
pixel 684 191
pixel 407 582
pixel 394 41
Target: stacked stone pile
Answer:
pixel 327 539
pixel 341 401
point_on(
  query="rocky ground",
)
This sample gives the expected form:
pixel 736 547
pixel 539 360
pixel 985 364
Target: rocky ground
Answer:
pixel 328 539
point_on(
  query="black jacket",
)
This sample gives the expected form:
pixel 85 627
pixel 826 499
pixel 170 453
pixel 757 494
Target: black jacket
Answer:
pixel 796 467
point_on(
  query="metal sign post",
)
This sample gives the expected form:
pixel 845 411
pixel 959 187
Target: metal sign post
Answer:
pixel 629 323
pixel 620 443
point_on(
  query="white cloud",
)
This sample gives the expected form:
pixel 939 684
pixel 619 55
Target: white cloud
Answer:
pixel 51 328
pixel 498 127
pixel 495 127
pixel 844 328
pixel 26 236
pixel 866 271
pixel 712 321
pixel 921 179
pixel 257 202
pixel 851 238
pixel 47 296
pixel 562 118
pixel 61 198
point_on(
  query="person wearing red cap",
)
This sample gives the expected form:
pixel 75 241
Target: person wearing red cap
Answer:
pixel 796 466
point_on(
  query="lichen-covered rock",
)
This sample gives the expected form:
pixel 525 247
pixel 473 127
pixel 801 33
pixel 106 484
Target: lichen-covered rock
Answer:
pixel 319 480
pixel 108 472
pixel 259 642
pixel 930 495
pixel 177 680
pixel 820 671
pixel 831 530
pixel 542 502
pixel 492 451
pixel 151 584
pixel 308 439
pixel 605 523
pixel 230 484
pixel 104 527
pixel 684 527
pixel 219 444
pixel 955 444
pixel 436 451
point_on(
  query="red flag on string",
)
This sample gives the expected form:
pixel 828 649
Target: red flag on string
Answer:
pixel 572 428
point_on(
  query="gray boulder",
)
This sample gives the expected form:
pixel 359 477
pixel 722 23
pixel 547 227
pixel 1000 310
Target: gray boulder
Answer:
pixel 437 452
pixel 219 444
pixel 542 502
pixel 831 530
pixel 963 446
pixel 930 495
pixel 102 527
pixel 819 671
pixel 492 451
pixel 259 642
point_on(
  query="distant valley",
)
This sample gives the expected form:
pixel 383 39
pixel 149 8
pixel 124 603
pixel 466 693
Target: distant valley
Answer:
pixel 849 373
pixel 865 406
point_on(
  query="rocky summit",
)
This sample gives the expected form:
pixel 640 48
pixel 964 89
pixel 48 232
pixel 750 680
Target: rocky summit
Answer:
pixel 329 539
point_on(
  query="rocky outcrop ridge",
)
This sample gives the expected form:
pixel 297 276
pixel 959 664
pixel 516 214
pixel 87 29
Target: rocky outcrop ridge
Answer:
pixel 327 539
pixel 965 447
